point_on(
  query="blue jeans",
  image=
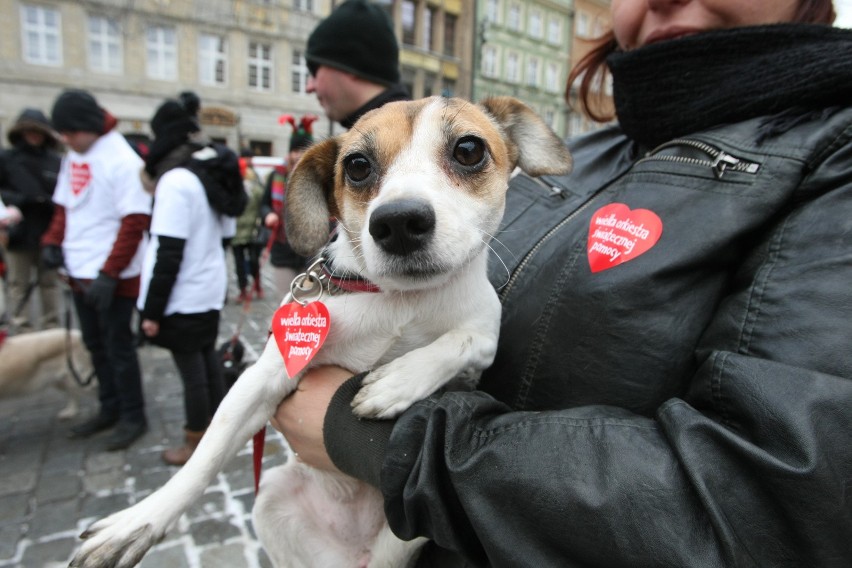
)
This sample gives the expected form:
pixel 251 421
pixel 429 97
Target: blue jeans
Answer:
pixel 109 339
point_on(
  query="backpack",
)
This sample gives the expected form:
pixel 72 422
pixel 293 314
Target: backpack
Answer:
pixel 218 168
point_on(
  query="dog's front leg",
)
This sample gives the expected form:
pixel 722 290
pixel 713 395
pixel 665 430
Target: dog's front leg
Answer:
pixel 121 539
pixel 392 388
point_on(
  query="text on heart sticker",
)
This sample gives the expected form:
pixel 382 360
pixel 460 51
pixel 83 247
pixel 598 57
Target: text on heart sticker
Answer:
pixel 618 234
pixel 299 332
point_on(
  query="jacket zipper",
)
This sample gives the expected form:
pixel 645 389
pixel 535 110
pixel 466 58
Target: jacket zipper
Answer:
pixel 520 268
pixel 720 162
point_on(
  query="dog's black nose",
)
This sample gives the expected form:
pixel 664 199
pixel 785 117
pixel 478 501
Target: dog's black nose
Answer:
pixel 403 226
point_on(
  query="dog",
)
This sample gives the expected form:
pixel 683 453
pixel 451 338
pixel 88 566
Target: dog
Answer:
pixel 231 355
pixel 418 189
pixel 33 361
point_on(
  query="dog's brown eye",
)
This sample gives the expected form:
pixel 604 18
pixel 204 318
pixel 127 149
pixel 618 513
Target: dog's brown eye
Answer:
pixel 357 167
pixel 469 151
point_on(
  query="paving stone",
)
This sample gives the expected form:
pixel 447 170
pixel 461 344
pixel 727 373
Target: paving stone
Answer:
pixel 52 518
pixel 165 557
pixel 213 531
pixel 9 536
pixel 226 556
pixel 50 553
pixel 17 482
pixel 96 507
pixel 57 487
pixel 15 508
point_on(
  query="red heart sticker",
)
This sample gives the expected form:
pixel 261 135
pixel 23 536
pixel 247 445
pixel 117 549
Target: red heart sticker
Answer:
pixel 299 332
pixel 617 234
pixel 81 175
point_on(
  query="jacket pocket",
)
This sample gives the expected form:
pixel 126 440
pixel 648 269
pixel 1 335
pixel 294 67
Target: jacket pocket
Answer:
pixel 693 152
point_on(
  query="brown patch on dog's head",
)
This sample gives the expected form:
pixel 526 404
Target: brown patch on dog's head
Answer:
pixel 537 150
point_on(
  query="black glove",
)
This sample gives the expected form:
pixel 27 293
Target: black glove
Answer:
pixel 51 256
pixel 100 292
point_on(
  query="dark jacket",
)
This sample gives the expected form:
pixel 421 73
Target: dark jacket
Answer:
pixel 689 407
pixel 28 178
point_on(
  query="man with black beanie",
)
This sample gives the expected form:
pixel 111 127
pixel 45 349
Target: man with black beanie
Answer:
pixel 97 232
pixel 353 57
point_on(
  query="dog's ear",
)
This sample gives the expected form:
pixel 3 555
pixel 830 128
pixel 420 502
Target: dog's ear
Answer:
pixel 310 198
pixel 537 148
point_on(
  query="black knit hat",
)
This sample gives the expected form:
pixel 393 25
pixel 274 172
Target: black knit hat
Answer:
pixel 357 37
pixel 172 124
pixel 76 110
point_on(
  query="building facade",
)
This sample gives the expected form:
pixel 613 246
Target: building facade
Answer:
pixel 591 20
pixel 244 58
pixel 521 49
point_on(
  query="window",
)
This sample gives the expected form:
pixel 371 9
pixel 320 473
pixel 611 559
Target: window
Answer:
pixel 550 118
pixel 409 12
pixel 554 31
pixel 551 78
pixel 532 71
pixel 161 49
pixel 489 61
pixel 430 14
pixel 303 5
pixel 300 73
pixel 450 34
pixel 41 33
pixel 536 25
pixel 260 66
pixel 212 60
pixel 513 68
pixel 492 11
pixel 105 46
pixel 514 20
pixel 584 25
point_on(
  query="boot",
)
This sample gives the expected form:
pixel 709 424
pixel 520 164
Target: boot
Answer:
pixel 244 295
pixel 258 291
pixel 179 456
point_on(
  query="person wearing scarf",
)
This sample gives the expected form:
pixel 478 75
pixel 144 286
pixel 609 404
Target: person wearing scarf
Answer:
pixel 673 381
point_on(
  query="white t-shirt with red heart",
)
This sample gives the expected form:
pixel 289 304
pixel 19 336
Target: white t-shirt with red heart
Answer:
pixel 98 189
pixel 181 211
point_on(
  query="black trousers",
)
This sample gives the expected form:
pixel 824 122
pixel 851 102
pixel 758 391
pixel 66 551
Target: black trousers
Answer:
pixel 247 262
pixel 109 339
pixel 203 385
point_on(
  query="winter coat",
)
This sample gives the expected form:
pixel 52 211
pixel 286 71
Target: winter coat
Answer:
pixel 673 381
pixel 27 179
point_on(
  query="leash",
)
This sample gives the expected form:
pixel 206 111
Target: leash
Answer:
pixel 68 299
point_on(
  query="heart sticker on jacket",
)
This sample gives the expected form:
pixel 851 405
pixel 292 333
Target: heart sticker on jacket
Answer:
pixel 299 332
pixel 618 234
pixel 81 175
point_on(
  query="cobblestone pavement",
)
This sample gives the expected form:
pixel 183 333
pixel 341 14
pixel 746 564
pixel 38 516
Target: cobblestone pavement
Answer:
pixel 52 488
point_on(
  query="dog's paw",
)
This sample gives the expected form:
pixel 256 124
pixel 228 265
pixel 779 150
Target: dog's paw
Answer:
pixel 386 393
pixel 119 541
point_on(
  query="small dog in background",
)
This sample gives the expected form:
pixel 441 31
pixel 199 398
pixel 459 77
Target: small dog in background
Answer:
pixel 231 355
pixel 33 361
pixel 418 189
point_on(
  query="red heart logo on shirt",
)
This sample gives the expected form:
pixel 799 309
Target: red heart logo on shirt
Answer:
pixel 81 175
pixel 618 234
pixel 299 332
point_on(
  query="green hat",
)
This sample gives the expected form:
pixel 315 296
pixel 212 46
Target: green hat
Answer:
pixel 357 37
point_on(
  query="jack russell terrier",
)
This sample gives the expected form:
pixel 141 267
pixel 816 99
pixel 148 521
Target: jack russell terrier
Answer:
pixel 418 189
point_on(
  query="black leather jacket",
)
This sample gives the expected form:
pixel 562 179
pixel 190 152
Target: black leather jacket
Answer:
pixel 691 406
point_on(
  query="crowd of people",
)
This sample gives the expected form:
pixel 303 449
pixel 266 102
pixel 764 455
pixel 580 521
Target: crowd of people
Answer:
pixel 688 405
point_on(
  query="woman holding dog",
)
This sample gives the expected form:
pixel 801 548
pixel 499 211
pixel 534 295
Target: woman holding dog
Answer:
pixel 673 384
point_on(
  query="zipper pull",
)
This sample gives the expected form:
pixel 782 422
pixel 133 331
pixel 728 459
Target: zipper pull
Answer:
pixel 722 162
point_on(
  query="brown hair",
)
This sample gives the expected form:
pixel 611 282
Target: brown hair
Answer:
pixel 591 70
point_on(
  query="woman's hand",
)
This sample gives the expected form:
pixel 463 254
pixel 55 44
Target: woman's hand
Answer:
pixel 300 417
pixel 271 220
pixel 150 327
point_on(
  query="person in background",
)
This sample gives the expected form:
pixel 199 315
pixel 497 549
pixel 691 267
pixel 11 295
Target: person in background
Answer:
pixel 198 193
pixel 28 173
pixel 286 263
pixel 353 59
pixel 97 233
pixel 673 380
pixel 248 242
